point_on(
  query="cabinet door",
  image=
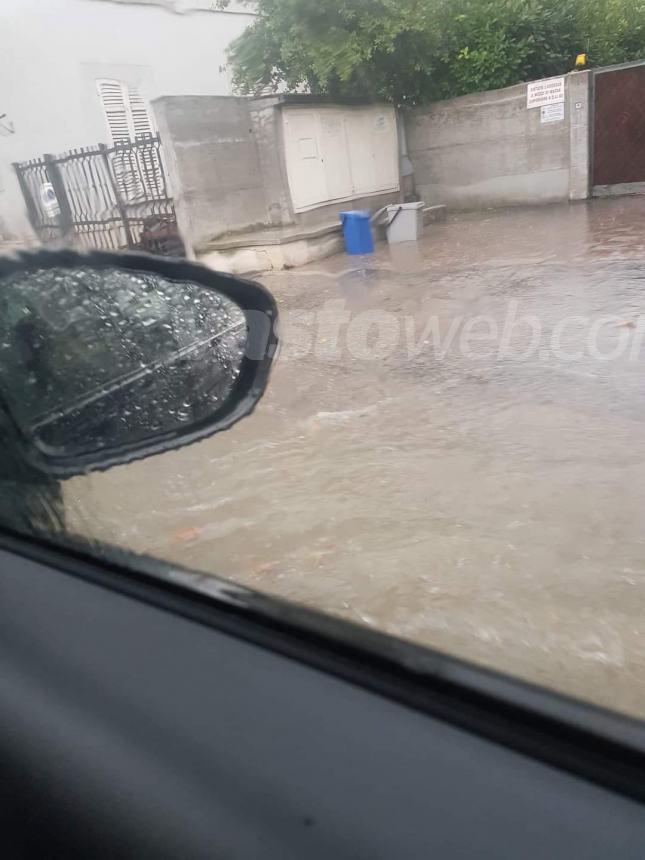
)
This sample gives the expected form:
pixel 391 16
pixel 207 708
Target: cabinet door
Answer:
pixel 373 149
pixel 360 151
pixel 385 148
pixel 335 155
pixel 305 167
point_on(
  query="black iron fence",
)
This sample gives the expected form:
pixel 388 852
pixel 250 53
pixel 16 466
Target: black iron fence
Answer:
pixel 101 197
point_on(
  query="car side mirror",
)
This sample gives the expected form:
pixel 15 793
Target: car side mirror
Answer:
pixel 106 358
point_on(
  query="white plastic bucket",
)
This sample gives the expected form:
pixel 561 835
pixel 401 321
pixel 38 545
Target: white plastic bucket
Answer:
pixel 404 222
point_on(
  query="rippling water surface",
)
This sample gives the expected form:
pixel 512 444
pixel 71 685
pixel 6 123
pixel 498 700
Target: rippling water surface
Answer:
pixel 489 505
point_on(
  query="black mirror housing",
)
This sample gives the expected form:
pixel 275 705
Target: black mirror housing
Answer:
pixel 110 357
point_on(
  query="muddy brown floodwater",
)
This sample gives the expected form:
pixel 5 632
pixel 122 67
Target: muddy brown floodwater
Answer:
pixel 486 498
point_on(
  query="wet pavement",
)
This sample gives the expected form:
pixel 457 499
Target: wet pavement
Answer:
pixel 452 449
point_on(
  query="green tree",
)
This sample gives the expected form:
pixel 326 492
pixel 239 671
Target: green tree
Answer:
pixel 413 51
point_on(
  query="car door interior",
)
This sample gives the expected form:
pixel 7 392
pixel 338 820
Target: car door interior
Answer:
pixel 133 727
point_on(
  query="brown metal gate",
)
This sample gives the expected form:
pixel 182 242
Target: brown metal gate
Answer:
pixel 619 129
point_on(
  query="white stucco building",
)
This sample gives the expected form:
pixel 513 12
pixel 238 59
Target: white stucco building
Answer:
pixel 79 72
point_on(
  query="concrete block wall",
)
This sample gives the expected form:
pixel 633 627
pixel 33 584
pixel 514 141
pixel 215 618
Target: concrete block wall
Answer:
pixel 215 171
pixel 226 160
pixel 266 122
pixel 488 149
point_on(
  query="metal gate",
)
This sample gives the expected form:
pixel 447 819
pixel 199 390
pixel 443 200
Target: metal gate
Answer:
pixel 619 130
pixel 100 196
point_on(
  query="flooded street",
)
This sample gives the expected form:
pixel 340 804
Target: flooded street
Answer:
pixel 451 449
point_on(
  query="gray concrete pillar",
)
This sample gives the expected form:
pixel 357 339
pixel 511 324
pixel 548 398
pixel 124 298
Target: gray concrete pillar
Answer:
pixel 182 209
pixel 580 127
pixel 266 116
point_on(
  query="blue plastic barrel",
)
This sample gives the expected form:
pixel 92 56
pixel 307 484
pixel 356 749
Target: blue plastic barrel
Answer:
pixel 357 232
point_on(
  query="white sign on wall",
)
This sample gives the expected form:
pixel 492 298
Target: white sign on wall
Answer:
pixel 552 113
pixel 548 92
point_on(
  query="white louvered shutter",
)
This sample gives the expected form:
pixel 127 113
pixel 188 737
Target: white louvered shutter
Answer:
pixel 113 95
pixel 128 120
pixel 125 111
pixel 141 124
pixel 149 168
